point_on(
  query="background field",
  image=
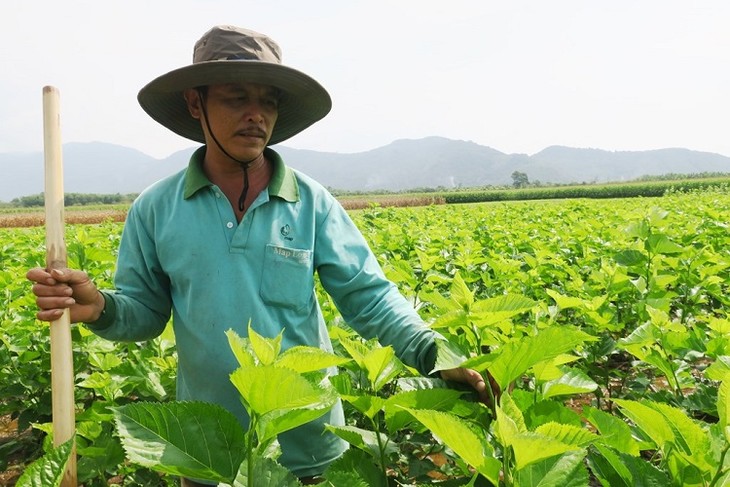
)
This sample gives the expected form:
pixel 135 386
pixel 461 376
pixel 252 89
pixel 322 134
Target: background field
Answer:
pixel 646 278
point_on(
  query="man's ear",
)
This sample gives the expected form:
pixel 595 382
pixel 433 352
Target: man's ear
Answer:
pixel 192 99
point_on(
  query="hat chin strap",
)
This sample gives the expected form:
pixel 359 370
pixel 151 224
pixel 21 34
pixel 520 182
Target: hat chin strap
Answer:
pixel 244 164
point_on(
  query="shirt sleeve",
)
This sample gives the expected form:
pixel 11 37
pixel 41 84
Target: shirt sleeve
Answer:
pixel 371 304
pixel 139 308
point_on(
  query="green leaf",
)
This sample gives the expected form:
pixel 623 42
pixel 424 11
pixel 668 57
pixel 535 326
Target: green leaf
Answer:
pixel 354 469
pixel 363 439
pixel 672 430
pixel 240 348
pixel 382 366
pixel 723 407
pixel 357 350
pixel 441 303
pixel 304 359
pixel 613 431
pixel 400 271
pixel 266 349
pixel 618 469
pixel 435 399
pixel 467 442
pixel 651 421
pixel 546 411
pixel 719 370
pixel 564 302
pixel 268 388
pixel 454 318
pixel 49 470
pixel 573 381
pixel 531 447
pixel 509 422
pixel 568 434
pixel 639 229
pixel 631 258
pixel 516 357
pixel 278 421
pixel 367 404
pixel 567 470
pixel 448 356
pixel 282 398
pixel 659 243
pixel 189 439
pixel 487 312
pixel 266 473
pixel 460 293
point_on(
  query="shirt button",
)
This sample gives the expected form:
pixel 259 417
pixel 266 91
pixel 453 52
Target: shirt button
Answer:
pixel 229 224
pixel 217 195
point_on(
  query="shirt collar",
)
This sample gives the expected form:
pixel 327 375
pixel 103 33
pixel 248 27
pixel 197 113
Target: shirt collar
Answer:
pixel 283 182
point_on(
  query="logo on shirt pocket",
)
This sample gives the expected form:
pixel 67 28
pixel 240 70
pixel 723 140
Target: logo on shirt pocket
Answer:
pixel 287 278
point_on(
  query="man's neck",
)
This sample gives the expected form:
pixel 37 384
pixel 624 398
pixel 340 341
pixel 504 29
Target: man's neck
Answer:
pixel 228 175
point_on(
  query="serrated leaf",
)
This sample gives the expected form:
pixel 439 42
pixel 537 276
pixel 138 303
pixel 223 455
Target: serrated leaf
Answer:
pixel 354 469
pixel 551 369
pixel 309 359
pixel 488 312
pixel 639 229
pixel 649 420
pixel 282 398
pixel 401 271
pixel 441 303
pixel 460 293
pixel 357 350
pixel 266 473
pixel 613 431
pixel 467 442
pixel 723 407
pixel 719 370
pixel 618 469
pixel 189 439
pixel 435 399
pixel 631 258
pixel 278 421
pixel 368 405
pixel 568 434
pixel 266 349
pixel 240 348
pixel 690 440
pixel 382 366
pixel 516 357
pixel 573 381
pixel 266 388
pixel 49 470
pixel 567 470
pixel 531 447
pixel 448 356
pixel 363 439
pixel 672 431
pixel 454 318
pixel 659 243
pixel 564 302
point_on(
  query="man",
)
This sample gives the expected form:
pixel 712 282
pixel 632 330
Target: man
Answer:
pixel 238 236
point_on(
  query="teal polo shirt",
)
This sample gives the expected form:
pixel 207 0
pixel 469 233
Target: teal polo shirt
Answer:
pixel 183 253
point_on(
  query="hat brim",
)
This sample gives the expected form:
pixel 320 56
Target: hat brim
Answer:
pixel 303 100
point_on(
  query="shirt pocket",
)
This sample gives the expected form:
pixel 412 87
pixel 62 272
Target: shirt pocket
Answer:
pixel 287 279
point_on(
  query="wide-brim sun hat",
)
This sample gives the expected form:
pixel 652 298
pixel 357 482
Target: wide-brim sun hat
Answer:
pixel 229 54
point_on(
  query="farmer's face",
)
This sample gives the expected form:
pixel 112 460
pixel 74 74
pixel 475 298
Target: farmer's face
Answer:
pixel 241 116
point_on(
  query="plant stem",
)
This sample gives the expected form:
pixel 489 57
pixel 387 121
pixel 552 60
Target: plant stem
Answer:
pixel 720 471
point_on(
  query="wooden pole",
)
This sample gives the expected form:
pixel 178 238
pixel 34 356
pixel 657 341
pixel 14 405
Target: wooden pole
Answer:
pixel 62 369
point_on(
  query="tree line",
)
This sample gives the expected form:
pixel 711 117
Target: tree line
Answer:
pixel 75 199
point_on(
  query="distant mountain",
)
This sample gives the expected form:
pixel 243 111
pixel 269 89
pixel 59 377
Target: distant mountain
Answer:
pixel 404 164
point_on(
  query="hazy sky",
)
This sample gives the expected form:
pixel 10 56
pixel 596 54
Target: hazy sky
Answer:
pixel 517 76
